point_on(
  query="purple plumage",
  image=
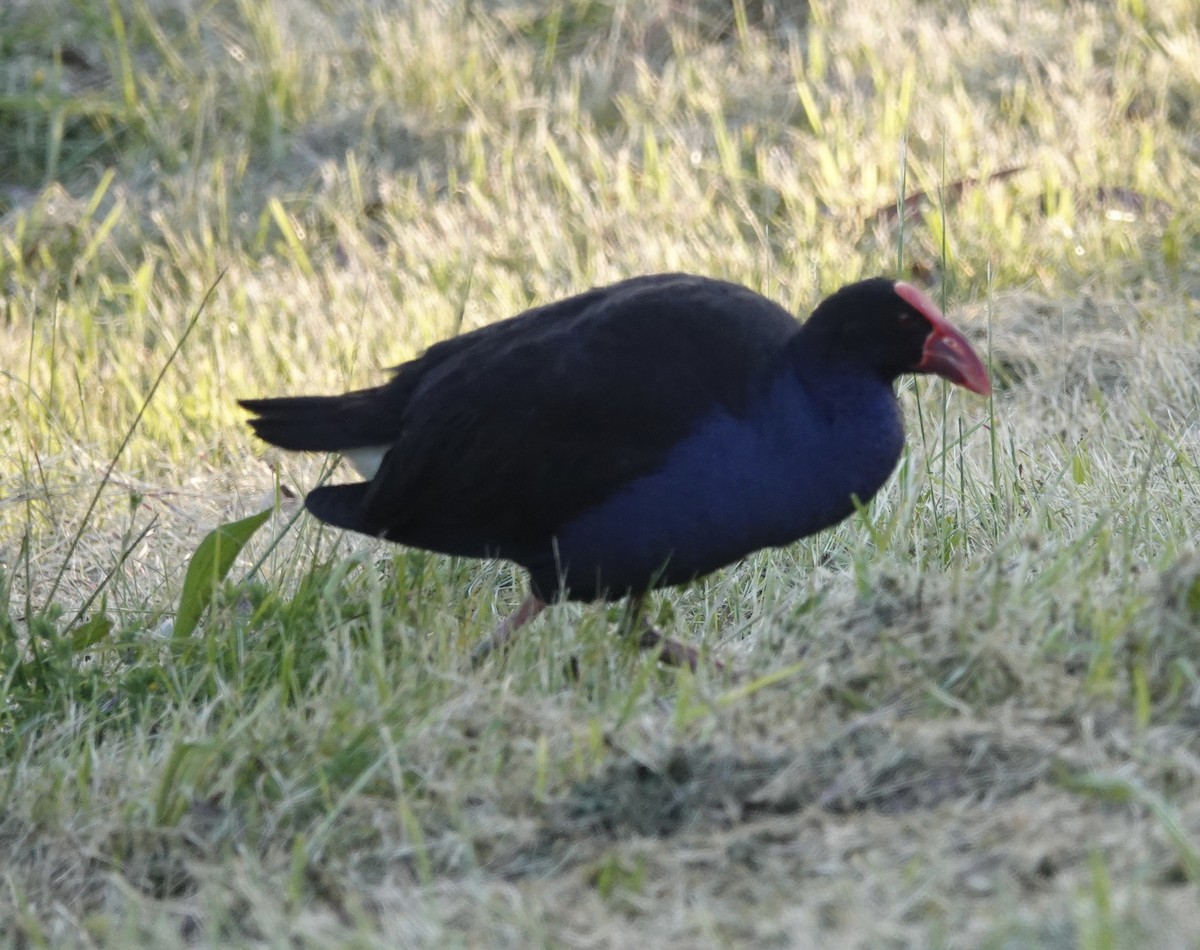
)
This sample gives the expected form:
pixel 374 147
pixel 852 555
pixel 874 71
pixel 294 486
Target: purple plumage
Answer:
pixel 634 436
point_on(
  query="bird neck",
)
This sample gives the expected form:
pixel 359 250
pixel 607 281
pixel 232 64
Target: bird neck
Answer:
pixel 823 365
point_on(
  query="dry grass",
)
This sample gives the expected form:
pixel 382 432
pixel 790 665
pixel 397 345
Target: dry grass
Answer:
pixel 965 718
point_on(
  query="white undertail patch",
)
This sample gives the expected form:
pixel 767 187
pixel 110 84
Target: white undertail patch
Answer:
pixel 366 459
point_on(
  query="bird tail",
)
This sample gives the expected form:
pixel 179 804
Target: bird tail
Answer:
pixel 323 423
pixel 342 506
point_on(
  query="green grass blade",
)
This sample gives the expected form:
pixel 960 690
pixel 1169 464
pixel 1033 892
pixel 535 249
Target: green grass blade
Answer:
pixel 112 464
pixel 208 566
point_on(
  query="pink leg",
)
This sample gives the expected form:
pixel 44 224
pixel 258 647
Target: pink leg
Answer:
pixel 530 607
pixel 671 652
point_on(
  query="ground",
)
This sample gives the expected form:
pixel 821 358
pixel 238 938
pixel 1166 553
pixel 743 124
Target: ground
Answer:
pixel 967 717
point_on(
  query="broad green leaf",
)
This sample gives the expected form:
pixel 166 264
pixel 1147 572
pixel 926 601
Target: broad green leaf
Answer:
pixel 209 564
pixel 91 632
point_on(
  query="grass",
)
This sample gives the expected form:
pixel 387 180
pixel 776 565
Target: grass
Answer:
pixel 967 717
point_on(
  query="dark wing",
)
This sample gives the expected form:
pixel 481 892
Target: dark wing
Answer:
pixel 373 417
pixel 514 430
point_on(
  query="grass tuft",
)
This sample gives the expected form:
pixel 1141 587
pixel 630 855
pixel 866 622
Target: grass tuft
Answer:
pixel 965 717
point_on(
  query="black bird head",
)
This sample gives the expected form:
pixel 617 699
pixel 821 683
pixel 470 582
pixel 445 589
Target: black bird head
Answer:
pixel 888 327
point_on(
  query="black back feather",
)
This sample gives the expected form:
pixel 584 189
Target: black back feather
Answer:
pixel 502 435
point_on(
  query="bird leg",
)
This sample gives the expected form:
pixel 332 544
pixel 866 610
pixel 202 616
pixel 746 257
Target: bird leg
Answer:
pixel 671 652
pixel 530 607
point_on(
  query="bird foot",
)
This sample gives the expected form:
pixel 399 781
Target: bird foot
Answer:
pixel 672 652
pixel 485 647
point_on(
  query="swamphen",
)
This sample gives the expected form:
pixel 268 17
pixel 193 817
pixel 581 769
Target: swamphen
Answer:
pixel 631 437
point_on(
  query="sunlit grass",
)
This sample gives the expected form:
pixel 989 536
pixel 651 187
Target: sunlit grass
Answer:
pixel 965 717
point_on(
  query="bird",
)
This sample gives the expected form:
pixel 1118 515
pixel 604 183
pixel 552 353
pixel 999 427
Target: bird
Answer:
pixel 635 436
